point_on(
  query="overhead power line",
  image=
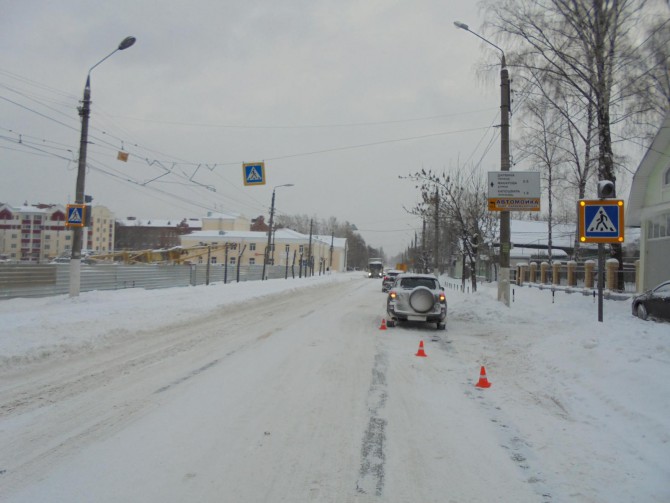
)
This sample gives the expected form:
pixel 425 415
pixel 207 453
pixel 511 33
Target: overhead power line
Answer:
pixel 303 126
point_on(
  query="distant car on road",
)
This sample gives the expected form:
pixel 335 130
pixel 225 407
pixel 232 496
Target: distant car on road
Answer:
pixel 417 297
pixel 653 303
pixel 389 278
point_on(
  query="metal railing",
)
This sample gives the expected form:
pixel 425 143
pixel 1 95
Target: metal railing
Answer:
pixel 41 280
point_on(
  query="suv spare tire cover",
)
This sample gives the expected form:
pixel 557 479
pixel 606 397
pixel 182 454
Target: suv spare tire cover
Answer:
pixel 421 299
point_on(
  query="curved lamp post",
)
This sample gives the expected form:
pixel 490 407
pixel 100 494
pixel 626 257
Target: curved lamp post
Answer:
pixel 504 273
pixel 272 213
pixel 85 112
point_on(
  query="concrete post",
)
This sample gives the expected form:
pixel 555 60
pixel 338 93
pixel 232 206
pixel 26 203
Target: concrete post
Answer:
pixel 611 268
pixel 556 273
pixel 544 267
pixel 572 276
pixel 589 274
pixel 521 274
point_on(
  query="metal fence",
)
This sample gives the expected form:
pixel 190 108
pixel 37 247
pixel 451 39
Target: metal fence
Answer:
pixel 628 274
pixel 559 277
pixel 34 280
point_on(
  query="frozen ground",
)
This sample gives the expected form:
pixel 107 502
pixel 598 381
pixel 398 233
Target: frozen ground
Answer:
pixel 288 391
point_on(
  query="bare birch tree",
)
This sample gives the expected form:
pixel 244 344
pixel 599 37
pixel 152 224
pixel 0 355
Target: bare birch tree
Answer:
pixel 463 203
pixel 544 147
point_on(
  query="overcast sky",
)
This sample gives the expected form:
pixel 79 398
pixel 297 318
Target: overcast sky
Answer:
pixel 338 97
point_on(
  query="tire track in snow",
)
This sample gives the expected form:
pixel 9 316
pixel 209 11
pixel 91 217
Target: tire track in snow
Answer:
pixel 371 474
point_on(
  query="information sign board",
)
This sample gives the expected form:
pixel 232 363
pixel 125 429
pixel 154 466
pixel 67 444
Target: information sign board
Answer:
pixel 514 190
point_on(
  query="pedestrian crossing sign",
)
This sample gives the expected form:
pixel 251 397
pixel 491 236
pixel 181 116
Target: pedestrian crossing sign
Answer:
pixel 75 215
pixel 601 221
pixel 253 173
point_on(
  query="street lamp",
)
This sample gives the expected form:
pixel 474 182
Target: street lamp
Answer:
pixel 272 213
pixel 85 112
pixel 504 274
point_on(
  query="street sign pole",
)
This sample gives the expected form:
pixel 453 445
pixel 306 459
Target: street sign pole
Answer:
pixel 601 221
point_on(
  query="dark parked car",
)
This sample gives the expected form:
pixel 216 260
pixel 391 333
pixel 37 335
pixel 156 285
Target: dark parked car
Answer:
pixel 654 303
pixel 389 279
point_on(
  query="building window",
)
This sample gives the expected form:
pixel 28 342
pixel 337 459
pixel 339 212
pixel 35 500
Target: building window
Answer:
pixel 301 250
pixel 213 260
pixel 666 178
pixel 659 227
pixel 252 246
pixel 288 247
pixel 252 261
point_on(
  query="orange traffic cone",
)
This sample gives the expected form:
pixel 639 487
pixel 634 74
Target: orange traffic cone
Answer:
pixel 383 326
pixel 421 352
pixel 483 381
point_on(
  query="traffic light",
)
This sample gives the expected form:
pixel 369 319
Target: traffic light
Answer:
pixel 606 189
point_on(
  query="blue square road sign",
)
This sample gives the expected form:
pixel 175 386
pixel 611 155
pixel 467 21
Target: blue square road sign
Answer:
pixel 601 221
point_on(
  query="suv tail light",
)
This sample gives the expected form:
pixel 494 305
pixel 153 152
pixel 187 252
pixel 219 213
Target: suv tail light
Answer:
pixel 443 298
pixel 393 295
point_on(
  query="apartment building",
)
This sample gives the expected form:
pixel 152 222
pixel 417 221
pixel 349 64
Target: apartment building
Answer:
pixel 37 233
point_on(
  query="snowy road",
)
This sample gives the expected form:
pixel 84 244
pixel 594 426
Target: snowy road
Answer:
pixel 296 397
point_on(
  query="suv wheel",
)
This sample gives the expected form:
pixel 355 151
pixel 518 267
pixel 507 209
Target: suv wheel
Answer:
pixel 422 300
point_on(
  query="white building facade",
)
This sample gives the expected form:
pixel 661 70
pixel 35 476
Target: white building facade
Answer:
pixel 649 209
pixel 287 248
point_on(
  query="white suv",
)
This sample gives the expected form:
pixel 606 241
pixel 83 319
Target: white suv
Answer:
pixel 417 297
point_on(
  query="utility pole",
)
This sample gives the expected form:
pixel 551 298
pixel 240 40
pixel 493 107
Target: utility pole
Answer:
pixel 78 231
pixel 225 266
pixel 332 242
pixel 267 247
pixel 436 246
pixel 424 266
pixel 266 258
pixel 504 273
pixel 309 251
pixel 505 231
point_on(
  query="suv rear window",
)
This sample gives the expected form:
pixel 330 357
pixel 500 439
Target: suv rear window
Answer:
pixel 409 283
